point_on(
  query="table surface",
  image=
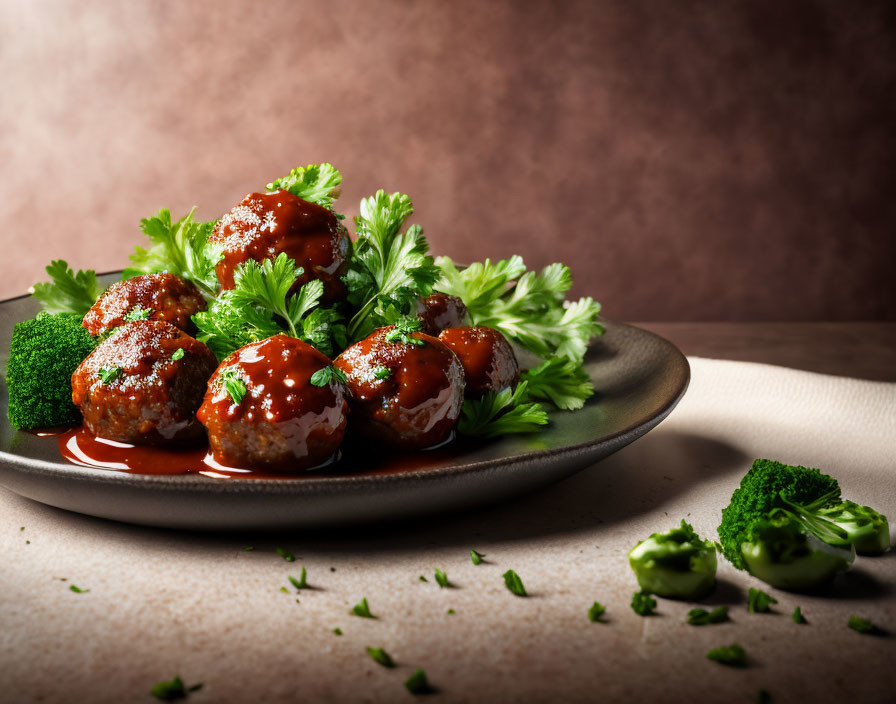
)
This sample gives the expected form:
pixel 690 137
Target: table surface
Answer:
pixel 163 602
pixel 863 350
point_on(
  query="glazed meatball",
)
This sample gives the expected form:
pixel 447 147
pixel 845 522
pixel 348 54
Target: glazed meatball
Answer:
pixel 143 385
pixel 166 296
pixel 404 394
pixel 488 359
pixel 278 420
pixel 265 224
pixel 440 311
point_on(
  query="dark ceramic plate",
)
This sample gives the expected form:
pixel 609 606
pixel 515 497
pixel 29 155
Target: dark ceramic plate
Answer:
pixel 640 378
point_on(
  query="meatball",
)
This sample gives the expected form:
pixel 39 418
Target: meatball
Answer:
pixel 166 296
pixel 143 385
pixel 265 224
pixel 440 311
pixel 404 394
pixel 280 422
pixel 488 359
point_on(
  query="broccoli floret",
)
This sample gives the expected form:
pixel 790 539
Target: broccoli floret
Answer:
pixel 676 564
pixel 43 356
pixel 866 529
pixel 771 489
pixel 780 552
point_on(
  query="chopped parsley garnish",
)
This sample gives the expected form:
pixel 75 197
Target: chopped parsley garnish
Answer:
pixel 561 381
pixel 109 374
pixel 451 612
pixel 323 377
pixel 532 312
pixel 732 655
pixel 362 609
pixel 760 602
pixel 178 354
pixel 173 690
pixel 260 305
pixel 401 333
pixel 337 631
pixel 513 582
pixel 138 313
pixel 423 579
pixel 390 270
pixel 380 656
pixel 285 554
pixel 643 603
pixel 862 625
pixel 316 183
pixel 180 248
pixel 798 616
pixel 234 385
pixel 418 684
pixel 596 612
pixel 301 582
pixel 442 579
pixel 476 557
pixel 69 292
pixel 284 590
pixel 381 372
pixel 77 590
pixel 702 617
pixel 501 413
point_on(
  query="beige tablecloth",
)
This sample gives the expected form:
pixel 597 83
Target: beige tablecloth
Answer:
pixel 164 603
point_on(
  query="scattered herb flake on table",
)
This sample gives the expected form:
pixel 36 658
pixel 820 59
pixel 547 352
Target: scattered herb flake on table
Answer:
pixel 476 557
pixel 286 554
pixel 418 684
pixel 702 617
pixel 643 603
pixel 862 625
pixel 513 582
pixel 798 616
pixel 301 582
pixel 442 579
pixel 760 602
pixel 77 590
pixel 172 690
pixel 380 656
pixel 362 609
pixel 732 655
pixel 596 612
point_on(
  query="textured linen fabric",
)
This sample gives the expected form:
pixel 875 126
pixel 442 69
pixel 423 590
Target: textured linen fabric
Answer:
pixel 163 603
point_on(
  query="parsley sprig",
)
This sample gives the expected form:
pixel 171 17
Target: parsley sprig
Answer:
pixel 260 306
pixel 316 183
pixel 68 291
pixel 501 413
pixel 179 247
pixel 389 269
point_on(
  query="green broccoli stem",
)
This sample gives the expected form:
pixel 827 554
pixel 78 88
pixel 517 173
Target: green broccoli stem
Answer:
pixel 809 517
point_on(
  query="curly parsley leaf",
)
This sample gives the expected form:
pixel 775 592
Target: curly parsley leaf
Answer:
pixel 138 313
pixel 260 306
pixel 528 307
pixel 109 374
pixel 390 270
pixel 316 183
pixel 503 412
pixel 401 333
pixel 560 380
pixel 179 247
pixel 68 291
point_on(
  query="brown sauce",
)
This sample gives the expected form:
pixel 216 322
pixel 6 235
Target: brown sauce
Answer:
pixel 78 446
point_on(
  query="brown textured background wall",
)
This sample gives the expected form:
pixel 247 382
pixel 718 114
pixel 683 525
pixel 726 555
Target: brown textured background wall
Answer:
pixel 690 160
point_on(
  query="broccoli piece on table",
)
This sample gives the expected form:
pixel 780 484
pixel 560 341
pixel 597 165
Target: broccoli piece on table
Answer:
pixel 676 564
pixel 865 528
pixel 43 356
